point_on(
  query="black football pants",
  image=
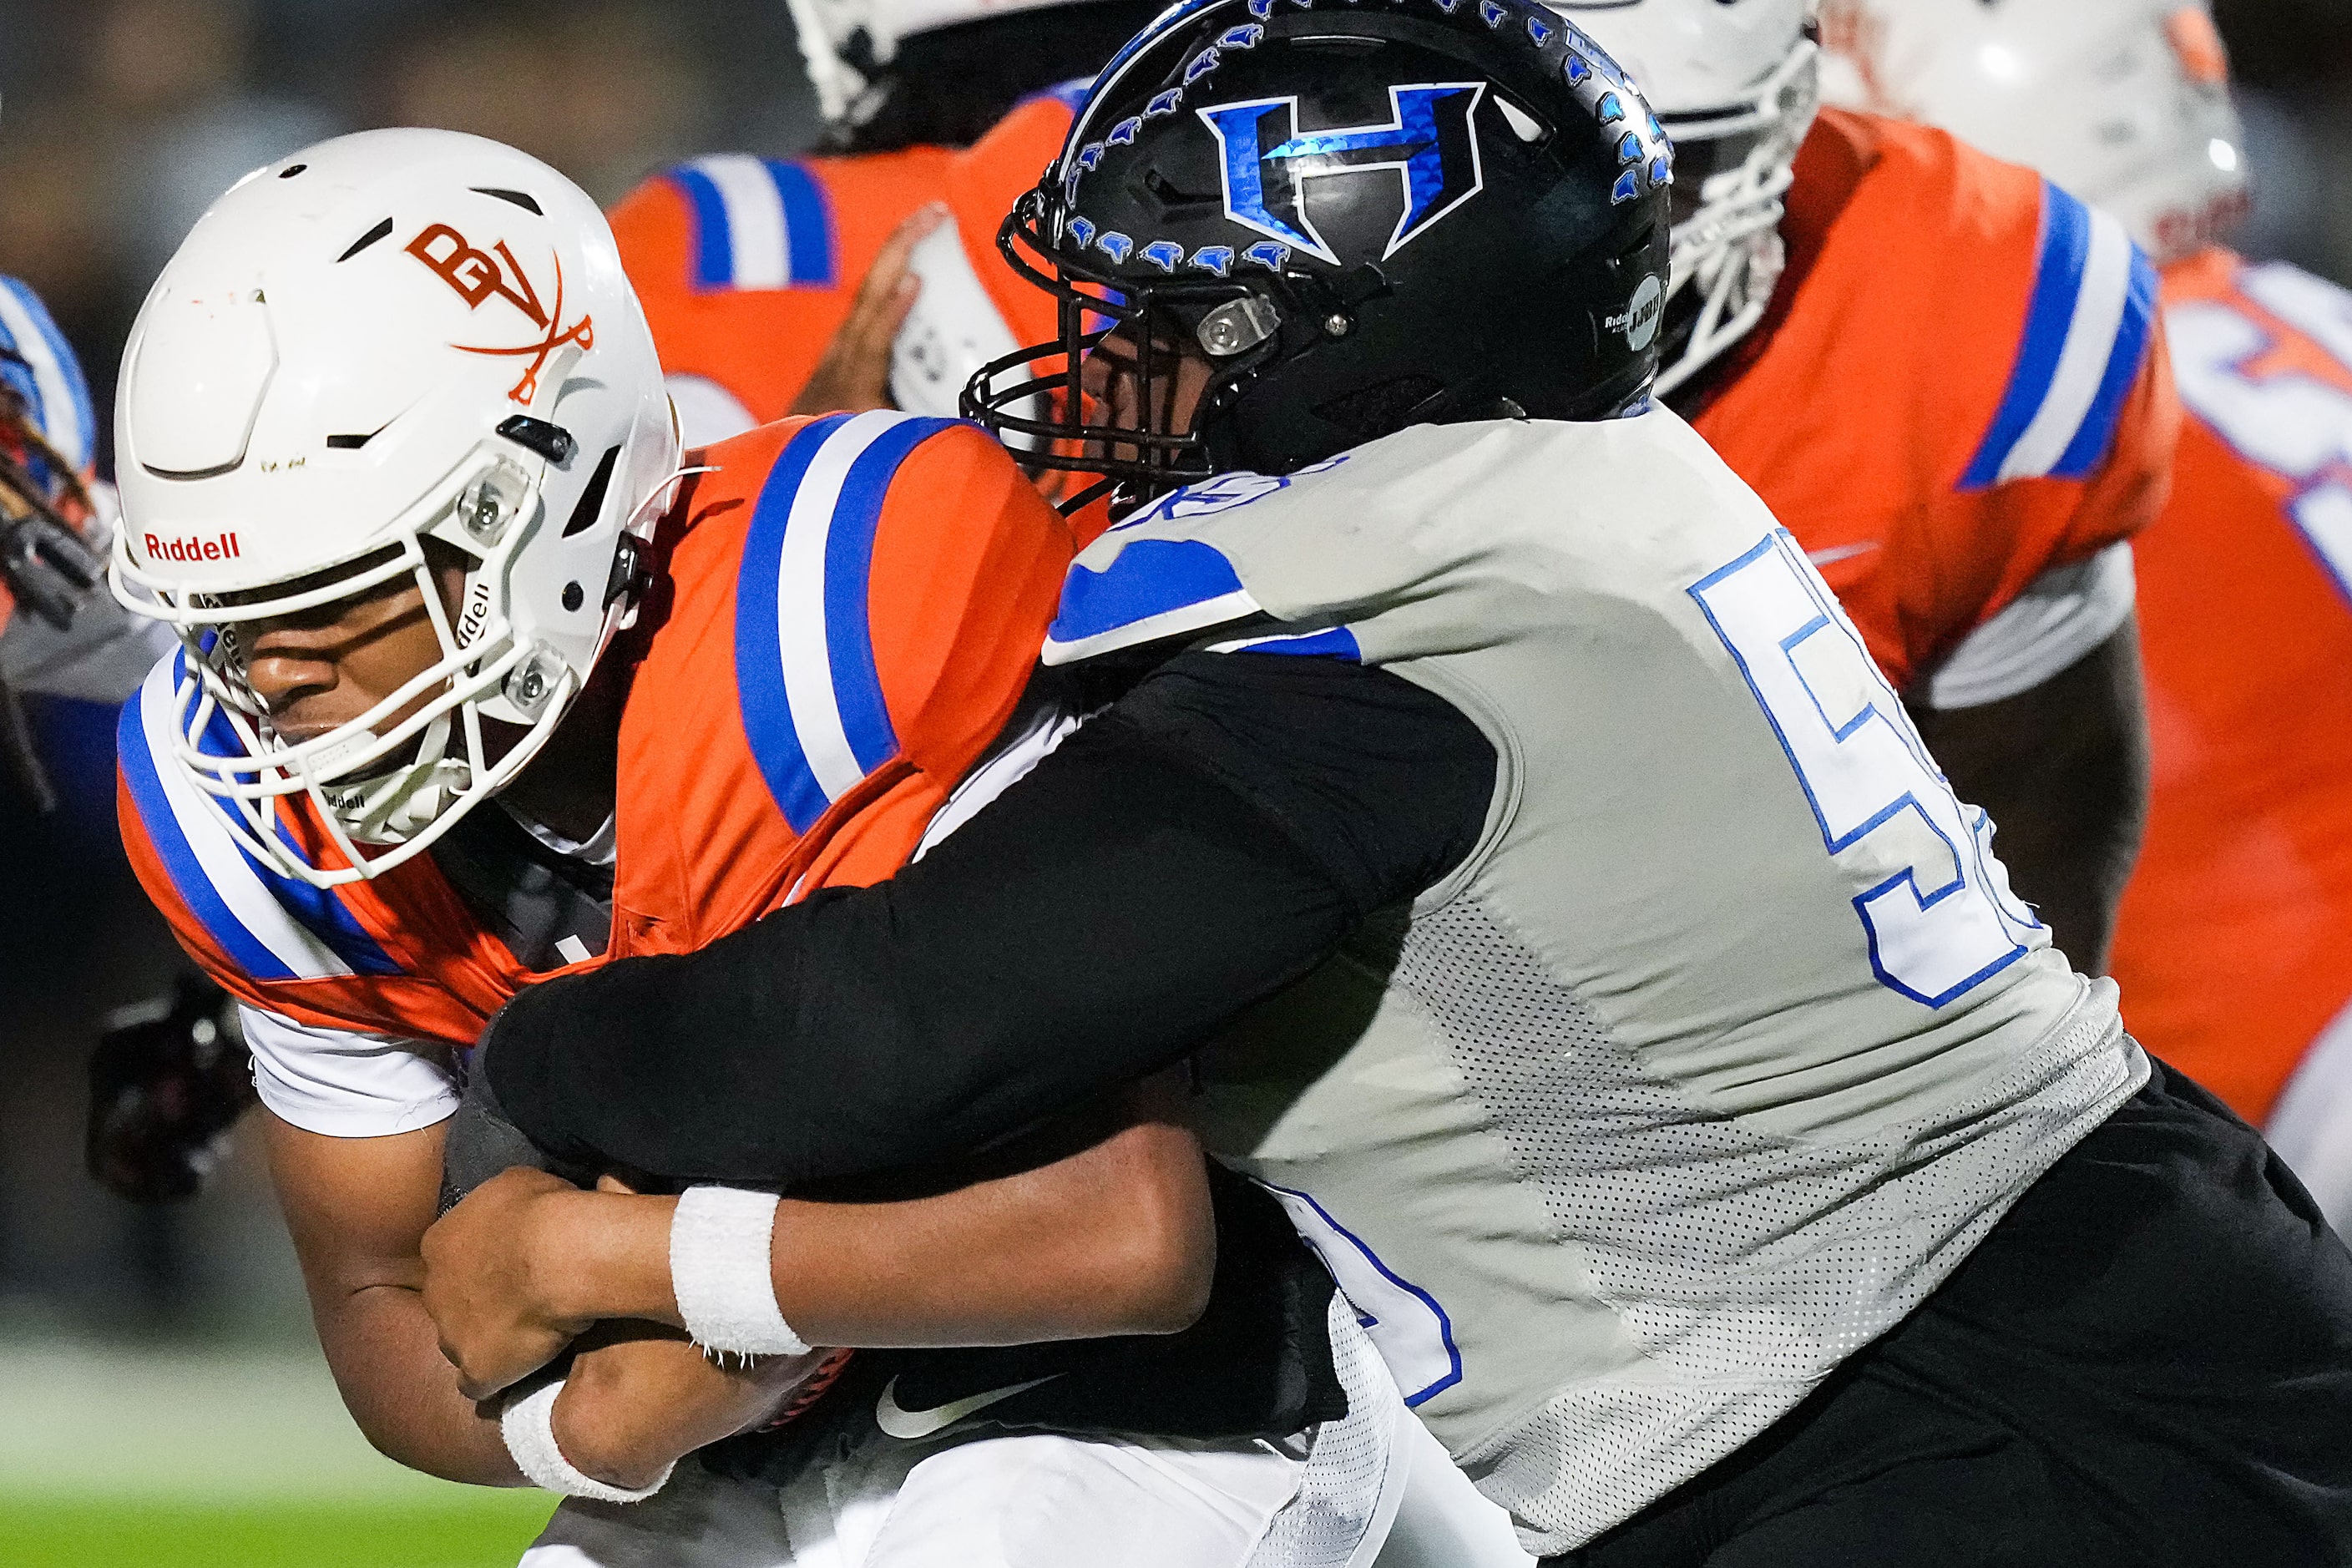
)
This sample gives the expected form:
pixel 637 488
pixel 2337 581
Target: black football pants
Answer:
pixel 2148 1362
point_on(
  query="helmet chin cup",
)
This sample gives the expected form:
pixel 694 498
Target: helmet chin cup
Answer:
pixel 387 355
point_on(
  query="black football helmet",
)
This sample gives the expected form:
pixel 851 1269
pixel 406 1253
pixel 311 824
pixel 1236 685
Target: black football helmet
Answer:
pixel 1364 215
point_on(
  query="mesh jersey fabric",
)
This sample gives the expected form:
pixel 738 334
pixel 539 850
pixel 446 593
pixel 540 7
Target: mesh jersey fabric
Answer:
pixel 1649 1116
pixel 2235 940
pixel 1961 384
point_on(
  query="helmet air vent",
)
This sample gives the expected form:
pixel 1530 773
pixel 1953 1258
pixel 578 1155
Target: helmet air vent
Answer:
pixel 364 241
pixel 523 199
pixel 592 498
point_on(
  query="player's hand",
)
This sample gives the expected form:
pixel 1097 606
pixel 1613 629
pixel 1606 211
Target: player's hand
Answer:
pixel 640 1396
pixel 493 1276
pixel 855 374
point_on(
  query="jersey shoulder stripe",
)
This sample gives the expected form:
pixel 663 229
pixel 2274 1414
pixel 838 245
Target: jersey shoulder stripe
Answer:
pixel 2087 332
pixel 757 224
pixel 44 373
pixel 273 927
pixel 806 679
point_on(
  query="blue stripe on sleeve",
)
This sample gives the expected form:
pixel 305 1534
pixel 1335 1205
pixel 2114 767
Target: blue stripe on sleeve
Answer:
pixel 1337 642
pixel 2093 441
pixel 714 244
pixel 2066 245
pixel 759 658
pixel 808 225
pixel 246 950
pixel 849 572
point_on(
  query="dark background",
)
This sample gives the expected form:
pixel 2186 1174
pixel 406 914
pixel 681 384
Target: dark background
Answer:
pixel 118 122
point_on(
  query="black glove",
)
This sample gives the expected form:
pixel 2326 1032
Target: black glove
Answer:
pixel 163 1093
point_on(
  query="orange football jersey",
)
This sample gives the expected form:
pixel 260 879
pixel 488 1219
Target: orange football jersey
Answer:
pixel 2235 945
pixel 747 265
pixel 1961 384
pixel 850 609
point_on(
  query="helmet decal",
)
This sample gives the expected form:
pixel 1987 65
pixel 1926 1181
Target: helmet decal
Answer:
pixel 1267 161
pixel 476 275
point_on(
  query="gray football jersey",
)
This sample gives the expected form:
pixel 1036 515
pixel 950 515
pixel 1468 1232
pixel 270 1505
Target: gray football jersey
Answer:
pixel 1725 1044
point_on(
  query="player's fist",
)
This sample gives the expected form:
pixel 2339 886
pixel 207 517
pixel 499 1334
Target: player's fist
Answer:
pixel 495 1268
pixel 166 1085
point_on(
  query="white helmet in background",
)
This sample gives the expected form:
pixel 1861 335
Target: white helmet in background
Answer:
pixel 2126 103
pixel 1733 84
pixel 385 338
pixel 837 36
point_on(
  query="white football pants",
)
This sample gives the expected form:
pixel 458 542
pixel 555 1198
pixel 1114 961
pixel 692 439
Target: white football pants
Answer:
pixel 988 1499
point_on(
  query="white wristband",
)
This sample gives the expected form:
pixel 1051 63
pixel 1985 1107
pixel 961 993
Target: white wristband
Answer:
pixel 718 1243
pixel 527 1423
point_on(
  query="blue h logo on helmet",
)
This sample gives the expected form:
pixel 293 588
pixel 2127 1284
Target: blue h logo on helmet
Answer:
pixel 1267 161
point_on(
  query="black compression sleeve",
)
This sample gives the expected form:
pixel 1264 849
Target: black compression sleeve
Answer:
pixel 1206 841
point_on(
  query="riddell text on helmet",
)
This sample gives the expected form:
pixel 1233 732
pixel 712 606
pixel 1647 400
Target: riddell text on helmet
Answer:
pixel 223 548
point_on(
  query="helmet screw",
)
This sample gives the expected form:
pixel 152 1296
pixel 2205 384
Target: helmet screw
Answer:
pixel 1337 324
pixel 482 512
pixel 531 683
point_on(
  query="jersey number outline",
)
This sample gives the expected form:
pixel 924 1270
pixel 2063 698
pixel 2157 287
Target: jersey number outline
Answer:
pixel 1404 1323
pixel 1935 904
pixel 2287 422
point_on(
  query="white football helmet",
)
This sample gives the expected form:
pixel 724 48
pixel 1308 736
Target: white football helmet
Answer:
pixel 834 34
pixel 385 338
pixel 2123 102
pixel 1733 84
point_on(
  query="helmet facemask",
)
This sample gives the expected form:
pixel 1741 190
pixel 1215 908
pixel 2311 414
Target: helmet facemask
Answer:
pixel 396 777
pixel 1037 398
pixel 1733 169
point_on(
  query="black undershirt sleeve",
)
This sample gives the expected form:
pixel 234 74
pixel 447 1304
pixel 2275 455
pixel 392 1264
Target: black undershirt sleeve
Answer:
pixel 1210 838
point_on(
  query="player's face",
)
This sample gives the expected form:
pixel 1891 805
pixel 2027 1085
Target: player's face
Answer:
pixel 1112 379
pixel 321 668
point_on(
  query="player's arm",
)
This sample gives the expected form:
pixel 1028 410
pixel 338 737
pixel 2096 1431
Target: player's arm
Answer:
pixel 358 1209
pixel 1210 838
pixel 1101 1226
pixel 2063 768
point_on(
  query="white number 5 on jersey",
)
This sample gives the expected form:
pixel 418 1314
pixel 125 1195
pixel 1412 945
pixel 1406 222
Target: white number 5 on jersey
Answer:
pixel 1404 1323
pixel 1934 902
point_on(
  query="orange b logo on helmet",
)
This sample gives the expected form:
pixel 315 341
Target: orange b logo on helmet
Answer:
pixel 476 275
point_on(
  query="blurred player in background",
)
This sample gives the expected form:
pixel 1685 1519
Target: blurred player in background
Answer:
pixel 170 1078
pixel 2235 942
pixel 867 276
pixel 60 634
pixel 1947 379
pixel 399 465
